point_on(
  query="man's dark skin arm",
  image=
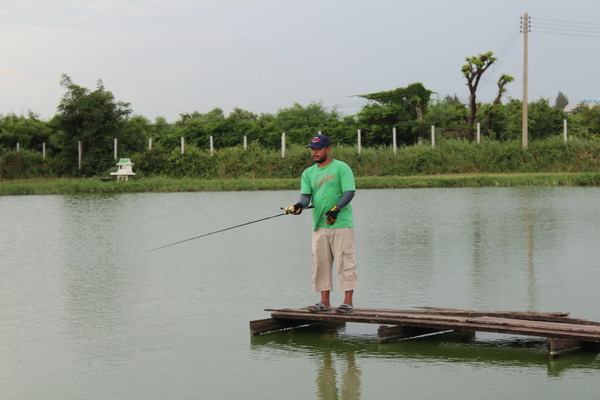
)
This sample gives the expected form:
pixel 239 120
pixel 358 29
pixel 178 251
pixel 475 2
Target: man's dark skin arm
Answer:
pixel 304 201
pixel 332 214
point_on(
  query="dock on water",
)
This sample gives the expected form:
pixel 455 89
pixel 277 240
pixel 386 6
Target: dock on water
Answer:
pixel 562 333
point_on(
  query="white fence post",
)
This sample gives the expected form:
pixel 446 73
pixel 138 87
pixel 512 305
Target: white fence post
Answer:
pixel 79 154
pixel 394 140
pixel 478 132
pixel 432 136
pixel 212 147
pixel 149 143
pixel 44 151
pixel 182 145
pixel 18 146
pixel 283 145
pixel 245 143
pixel 359 142
pixel 565 129
pixel 115 147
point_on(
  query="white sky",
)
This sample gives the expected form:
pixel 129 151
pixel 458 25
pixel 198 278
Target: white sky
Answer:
pixel 168 57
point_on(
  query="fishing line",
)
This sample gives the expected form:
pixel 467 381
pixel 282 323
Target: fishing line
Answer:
pixel 221 230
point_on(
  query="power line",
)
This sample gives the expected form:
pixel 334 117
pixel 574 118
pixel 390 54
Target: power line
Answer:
pixel 561 27
pixel 567 22
pixel 565 28
pixel 563 33
pixel 502 55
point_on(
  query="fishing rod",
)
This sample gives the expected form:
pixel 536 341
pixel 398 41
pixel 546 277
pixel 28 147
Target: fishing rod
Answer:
pixel 223 230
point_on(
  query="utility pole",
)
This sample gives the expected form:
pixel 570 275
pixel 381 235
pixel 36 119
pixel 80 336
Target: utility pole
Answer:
pixel 525 26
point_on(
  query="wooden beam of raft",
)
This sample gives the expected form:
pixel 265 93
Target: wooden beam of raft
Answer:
pixel 562 333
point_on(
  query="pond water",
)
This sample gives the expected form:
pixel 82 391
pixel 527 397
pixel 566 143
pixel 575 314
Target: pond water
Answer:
pixel 86 312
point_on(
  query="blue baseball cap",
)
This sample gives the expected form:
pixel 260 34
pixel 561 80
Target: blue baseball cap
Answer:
pixel 319 141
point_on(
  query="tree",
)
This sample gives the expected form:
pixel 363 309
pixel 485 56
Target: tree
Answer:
pixel 589 118
pixel 502 82
pixel 473 71
pixel 449 114
pixel 452 100
pixel 240 123
pixel 93 118
pixel 544 120
pixel 402 108
pixel 134 139
pixel 561 101
pixel 30 132
pixel 300 123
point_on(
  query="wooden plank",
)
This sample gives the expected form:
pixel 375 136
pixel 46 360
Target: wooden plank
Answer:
pixel 539 324
pixel 515 313
pixel 267 325
pixel 442 322
pixel 559 317
pixel 532 315
pixel 386 334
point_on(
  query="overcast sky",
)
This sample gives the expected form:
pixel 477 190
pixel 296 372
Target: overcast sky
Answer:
pixel 168 57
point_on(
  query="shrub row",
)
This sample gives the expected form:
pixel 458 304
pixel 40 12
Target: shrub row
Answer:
pixel 447 157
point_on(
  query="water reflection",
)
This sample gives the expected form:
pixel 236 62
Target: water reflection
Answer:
pixel 339 354
pixel 329 387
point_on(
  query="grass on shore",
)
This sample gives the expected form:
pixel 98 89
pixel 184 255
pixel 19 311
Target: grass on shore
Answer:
pixel 164 185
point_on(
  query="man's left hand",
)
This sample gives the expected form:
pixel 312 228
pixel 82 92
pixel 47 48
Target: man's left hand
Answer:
pixel 331 215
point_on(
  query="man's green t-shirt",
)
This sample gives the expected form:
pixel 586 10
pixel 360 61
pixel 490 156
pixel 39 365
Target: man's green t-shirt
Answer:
pixel 326 186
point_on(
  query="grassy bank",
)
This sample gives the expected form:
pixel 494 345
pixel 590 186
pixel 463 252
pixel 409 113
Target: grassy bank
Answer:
pixel 164 185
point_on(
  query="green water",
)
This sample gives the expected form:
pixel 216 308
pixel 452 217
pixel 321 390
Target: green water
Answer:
pixel 87 313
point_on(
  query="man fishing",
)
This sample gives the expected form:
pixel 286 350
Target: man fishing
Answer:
pixel 330 185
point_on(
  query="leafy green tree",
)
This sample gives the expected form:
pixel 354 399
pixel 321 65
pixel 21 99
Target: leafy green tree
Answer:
pixel 300 123
pixel 561 101
pixel 93 118
pixel 161 131
pixel 491 109
pixel 240 123
pixel 452 100
pixel 402 108
pixel 29 131
pixel 544 120
pixel 473 70
pixel 448 114
pixel 589 118
pixel 197 128
pixel 136 131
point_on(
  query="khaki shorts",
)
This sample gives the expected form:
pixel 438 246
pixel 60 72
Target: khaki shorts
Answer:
pixel 329 245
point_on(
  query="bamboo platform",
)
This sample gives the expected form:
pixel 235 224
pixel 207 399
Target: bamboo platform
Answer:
pixel 562 333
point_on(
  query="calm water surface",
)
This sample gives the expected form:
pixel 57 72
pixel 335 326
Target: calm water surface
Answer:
pixel 87 313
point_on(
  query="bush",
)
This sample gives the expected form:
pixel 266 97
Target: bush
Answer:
pixel 23 164
pixel 447 157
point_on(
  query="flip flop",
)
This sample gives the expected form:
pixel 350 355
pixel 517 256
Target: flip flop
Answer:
pixel 319 307
pixel 344 309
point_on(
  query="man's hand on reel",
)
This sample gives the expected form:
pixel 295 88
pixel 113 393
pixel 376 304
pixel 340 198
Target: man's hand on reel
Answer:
pixel 296 209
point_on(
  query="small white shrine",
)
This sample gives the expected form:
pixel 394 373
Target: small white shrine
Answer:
pixel 125 169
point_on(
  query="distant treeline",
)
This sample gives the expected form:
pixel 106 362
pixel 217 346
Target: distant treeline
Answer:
pixel 88 121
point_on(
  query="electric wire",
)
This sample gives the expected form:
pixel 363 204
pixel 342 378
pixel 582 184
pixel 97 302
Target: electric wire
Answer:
pixel 502 56
pixel 565 28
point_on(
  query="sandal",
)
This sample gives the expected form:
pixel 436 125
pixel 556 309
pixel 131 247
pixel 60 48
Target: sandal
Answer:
pixel 344 309
pixel 318 308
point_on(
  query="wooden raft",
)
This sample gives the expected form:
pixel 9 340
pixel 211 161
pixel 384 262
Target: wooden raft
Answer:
pixel 563 334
